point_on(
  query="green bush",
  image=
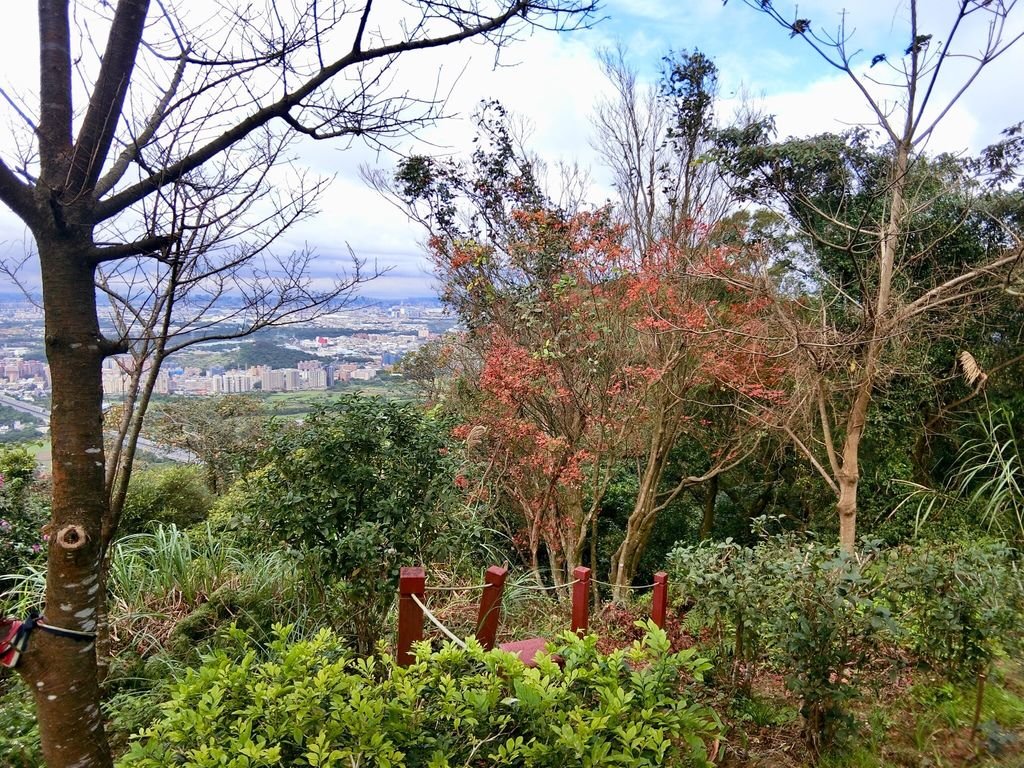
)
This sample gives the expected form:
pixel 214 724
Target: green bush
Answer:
pixel 726 587
pixel 823 632
pixel 807 608
pixel 960 606
pixel 822 617
pixel 174 495
pixel 312 703
pixel 365 486
pixel 985 484
pixel 19 734
pixel 23 513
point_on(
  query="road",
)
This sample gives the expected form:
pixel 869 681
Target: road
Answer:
pixel 20 405
pixel 162 451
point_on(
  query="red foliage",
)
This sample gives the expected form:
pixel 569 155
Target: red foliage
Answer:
pixel 583 343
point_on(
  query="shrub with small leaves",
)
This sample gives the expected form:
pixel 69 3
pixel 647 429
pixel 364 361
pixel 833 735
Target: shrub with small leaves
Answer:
pixel 823 631
pixel 960 606
pixel 174 495
pixel 809 609
pixel 312 703
pixel 19 735
pixel 726 587
pixel 23 512
pixel 366 486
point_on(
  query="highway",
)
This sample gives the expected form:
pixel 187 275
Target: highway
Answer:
pixel 162 451
pixel 20 405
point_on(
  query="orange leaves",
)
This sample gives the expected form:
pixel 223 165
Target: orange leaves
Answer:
pixel 510 373
pixel 587 349
pixel 653 324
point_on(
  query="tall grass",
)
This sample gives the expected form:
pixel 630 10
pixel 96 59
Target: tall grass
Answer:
pixel 158 579
pixel 22 592
pixel 990 474
pixel 170 561
pixel 988 477
pixel 161 578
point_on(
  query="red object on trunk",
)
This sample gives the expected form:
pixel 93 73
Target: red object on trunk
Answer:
pixel 11 644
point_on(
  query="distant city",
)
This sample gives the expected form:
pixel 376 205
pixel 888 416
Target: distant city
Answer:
pixel 355 345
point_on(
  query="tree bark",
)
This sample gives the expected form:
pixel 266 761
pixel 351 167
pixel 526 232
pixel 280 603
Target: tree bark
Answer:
pixel 707 522
pixel 641 519
pixel 847 509
pixel 62 672
pixel 848 476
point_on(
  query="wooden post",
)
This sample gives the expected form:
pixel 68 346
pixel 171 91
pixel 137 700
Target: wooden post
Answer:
pixel 490 606
pixel 659 603
pixel 581 600
pixel 411 581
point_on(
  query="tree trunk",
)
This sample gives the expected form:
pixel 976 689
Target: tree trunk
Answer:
pixel 641 520
pixel 61 672
pixel 849 472
pixel 707 522
pixel 595 594
pixel 848 477
pixel 847 509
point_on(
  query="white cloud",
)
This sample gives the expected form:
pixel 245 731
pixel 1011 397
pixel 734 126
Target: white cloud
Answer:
pixel 556 81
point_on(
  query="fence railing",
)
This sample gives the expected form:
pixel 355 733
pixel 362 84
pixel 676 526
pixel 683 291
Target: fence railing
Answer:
pixel 412 608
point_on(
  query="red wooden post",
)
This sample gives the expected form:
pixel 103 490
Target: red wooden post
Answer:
pixel 659 605
pixel 411 581
pixel 581 600
pixel 490 606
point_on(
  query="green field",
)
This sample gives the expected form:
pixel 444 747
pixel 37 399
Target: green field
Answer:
pixel 297 403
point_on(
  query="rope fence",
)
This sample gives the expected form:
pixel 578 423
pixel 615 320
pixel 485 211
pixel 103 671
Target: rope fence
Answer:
pixel 437 623
pixel 412 608
pixel 623 586
pixel 543 588
pixel 469 588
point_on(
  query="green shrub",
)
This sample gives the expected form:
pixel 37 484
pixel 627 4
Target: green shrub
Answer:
pixel 366 486
pixel 727 589
pixel 175 495
pixel 23 513
pixel 312 703
pixel 960 605
pixel 800 605
pixel 19 734
pixel 822 617
pixel 823 631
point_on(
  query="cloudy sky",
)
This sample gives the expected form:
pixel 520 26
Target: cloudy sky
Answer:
pixel 554 81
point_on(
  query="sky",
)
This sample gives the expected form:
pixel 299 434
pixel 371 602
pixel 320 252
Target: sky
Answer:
pixel 553 81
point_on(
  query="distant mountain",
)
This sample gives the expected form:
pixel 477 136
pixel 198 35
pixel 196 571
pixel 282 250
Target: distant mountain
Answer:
pixel 17 297
pixel 390 301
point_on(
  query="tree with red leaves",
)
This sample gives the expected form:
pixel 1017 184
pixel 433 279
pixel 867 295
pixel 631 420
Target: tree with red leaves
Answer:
pixel 591 355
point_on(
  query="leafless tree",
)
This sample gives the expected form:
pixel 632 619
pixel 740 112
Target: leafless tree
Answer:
pixel 910 92
pixel 654 138
pixel 116 125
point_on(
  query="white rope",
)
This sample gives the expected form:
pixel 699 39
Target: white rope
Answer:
pixel 623 586
pixel 437 623
pixel 470 588
pixel 44 624
pixel 541 588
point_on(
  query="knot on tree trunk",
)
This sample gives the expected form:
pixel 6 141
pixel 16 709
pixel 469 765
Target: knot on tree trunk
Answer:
pixel 72 537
